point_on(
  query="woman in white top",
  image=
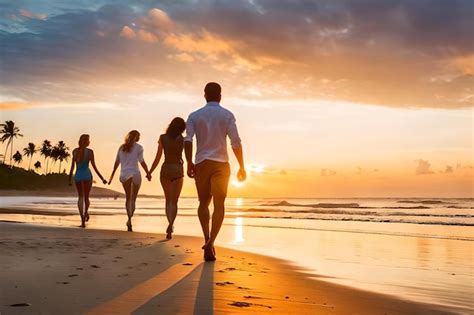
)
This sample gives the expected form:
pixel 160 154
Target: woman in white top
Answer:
pixel 129 155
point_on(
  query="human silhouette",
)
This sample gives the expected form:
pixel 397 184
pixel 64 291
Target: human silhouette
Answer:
pixel 81 156
pixel 128 156
pixel 211 125
pixel 172 173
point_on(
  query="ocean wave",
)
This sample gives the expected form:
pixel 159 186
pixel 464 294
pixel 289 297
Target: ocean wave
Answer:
pixel 354 205
pixel 285 203
pixel 338 216
pixel 425 202
pixel 360 213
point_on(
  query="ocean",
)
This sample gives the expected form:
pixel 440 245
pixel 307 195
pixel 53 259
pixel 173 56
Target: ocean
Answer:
pixel 417 249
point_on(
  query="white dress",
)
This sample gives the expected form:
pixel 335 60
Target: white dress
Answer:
pixel 129 164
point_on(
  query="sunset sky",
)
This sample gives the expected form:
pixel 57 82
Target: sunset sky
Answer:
pixel 332 98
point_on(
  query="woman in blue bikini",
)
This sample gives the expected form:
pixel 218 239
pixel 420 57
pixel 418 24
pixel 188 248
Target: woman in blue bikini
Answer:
pixel 81 157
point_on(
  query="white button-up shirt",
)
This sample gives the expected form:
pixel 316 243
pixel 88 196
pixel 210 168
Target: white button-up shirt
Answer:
pixel 212 124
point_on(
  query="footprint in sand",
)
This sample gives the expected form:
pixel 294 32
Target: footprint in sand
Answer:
pixel 246 304
pixel 177 245
pixel 73 275
pixel 78 268
pixel 64 282
pixel 243 288
pixel 225 283
pixel 240 304
pixel 95 266
pixel 187 264
pixel 251 297
pixel 20 304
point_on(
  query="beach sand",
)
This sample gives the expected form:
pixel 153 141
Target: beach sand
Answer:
pixel 59 270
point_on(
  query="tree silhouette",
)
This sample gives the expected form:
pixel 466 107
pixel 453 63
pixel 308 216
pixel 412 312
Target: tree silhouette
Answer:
pixel 37 165
pixel 8 133
pixel 17 157
pixel 29 151
pixel 45 151
pixel 60 153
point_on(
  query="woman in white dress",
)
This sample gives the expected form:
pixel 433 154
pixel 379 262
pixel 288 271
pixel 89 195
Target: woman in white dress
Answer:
pixel 128 156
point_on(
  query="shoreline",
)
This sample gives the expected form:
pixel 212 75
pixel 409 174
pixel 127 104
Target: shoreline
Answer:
pixel 237 281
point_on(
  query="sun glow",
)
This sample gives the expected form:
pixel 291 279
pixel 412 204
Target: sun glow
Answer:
pixel 256 168
pixel 237 184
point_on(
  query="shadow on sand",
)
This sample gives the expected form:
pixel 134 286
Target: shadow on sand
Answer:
pixel 204 303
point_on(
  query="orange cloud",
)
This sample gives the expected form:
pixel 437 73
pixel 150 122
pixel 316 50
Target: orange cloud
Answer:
pixel 147 36
pixel 225 54
pixel 158 19
pixel 182 57
pixel 14 105
pixel 31 15
pixel 127 32
pixel 465 64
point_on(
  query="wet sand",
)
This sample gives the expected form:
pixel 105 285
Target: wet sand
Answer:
pixel 60 270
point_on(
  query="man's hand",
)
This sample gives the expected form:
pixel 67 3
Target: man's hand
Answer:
pixel 241 174
pixel 148 176
pixel 191 171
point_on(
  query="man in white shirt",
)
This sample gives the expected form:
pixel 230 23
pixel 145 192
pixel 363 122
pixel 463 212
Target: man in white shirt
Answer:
pixel 212 124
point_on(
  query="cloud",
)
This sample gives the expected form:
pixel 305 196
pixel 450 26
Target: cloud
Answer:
pixel 423 167
pixel 182 57
pixel 448 169
pixel 327 172
pixel 157 19
pixel 127 32
pixel 391 53
pixel 14 105
pixel 147 36
pixel 31 15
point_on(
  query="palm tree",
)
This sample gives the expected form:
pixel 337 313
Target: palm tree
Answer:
pixel 45 151
pixel 64 156
pixel 17 157
pixel 9 132
pixel 37 165
pixel 30 150
pixel 60 152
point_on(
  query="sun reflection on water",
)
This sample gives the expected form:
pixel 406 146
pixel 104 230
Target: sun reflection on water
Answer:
pixel 239 230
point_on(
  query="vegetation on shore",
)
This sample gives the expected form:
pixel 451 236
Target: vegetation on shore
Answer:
pixel 59 152
pixel 13 178
pixel 18 179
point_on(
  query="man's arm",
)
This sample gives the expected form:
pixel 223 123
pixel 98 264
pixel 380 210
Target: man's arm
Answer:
pixel 239 154
pixel 236 144
pixel 188 146
pixel 188 152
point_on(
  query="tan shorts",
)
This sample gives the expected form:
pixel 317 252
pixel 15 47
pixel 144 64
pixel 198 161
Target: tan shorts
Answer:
pixel 212 179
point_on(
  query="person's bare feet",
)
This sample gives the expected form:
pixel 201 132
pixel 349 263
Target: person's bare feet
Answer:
pixel 86 216
pixel 209 252
pixel 129 226
pixel 169 231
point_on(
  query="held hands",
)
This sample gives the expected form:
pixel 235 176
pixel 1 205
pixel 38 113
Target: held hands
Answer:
pixel 148 176
pixel 191 172
pixel 241 174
